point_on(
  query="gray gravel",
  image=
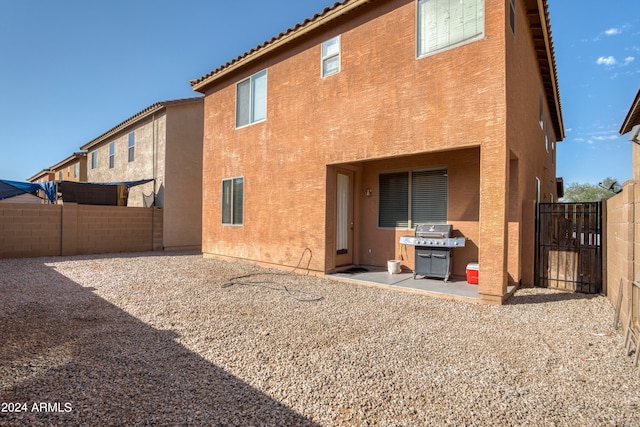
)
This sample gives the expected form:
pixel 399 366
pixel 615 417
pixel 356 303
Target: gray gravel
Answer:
pixel 156 339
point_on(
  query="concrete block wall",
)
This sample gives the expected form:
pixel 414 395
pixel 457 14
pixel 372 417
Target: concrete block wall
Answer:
pixel 71 229
pixel 622 241
pixel 29 230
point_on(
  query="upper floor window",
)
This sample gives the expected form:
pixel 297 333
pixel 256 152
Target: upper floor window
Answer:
pixel 76 170
pixel 94 160
pixel 447 23
pixel 331 57
pixel 251 99
pixel 132 146
pixel 112 155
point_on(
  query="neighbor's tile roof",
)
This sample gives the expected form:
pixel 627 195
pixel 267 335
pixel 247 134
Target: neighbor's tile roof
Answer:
pixel 539 23
pixel 139 116
pixel 633 116
pixel 69 160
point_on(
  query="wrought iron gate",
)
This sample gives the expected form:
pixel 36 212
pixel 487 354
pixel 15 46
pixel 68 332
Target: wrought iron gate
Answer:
pixel 569 246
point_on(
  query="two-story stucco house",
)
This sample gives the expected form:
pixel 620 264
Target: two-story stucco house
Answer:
pixel 73 168
pixel 163 142
pixel 342 133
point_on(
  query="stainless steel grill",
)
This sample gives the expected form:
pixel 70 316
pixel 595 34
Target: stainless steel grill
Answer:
pixel 433 253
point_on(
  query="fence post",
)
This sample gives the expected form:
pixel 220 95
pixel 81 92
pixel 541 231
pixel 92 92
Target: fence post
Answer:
pixel 69 229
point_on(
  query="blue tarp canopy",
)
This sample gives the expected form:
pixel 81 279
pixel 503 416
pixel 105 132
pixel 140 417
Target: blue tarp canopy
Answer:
pixel 15 188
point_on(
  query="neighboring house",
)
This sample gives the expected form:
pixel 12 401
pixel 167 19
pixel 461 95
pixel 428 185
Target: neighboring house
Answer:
pixel 632 124
pixel 73 168
pixel 162 142
pixel 45 175
pixel 342 133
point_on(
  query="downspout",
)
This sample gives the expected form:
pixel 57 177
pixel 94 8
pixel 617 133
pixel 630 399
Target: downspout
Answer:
pixel 153 138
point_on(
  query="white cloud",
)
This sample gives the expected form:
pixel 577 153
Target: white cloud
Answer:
pixel 606 60
pixel 605 138
pixel 613 31
pixel 628 60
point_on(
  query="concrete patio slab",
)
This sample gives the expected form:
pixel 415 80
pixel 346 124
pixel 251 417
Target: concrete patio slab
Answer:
pixel 454 288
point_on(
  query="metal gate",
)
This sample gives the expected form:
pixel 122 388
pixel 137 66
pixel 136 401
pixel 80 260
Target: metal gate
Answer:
pixel 569 246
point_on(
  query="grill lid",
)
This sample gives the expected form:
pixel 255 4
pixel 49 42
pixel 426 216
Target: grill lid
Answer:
pixel 434 231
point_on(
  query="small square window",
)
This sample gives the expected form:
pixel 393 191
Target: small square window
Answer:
pixel 331 57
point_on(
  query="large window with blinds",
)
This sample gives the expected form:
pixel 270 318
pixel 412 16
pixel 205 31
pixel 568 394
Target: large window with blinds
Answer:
pixel 446 23
pixel 413 197
pixel 251 99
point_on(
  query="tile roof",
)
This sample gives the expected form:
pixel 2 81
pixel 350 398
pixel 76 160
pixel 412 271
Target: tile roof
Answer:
pixel 633 116
pixel 69 160
pixel 42 174
pixel 319 19
pixel 539 22
pixel 139 116
pixel 540 26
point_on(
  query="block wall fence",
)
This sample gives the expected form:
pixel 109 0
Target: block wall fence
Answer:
pixel 72 229
pixel 622 250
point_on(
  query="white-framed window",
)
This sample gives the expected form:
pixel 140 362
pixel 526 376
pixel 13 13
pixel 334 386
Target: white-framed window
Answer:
pixel 132 146
pixel 251 99
pixel 112 155
pixel 233 201
pixel 412 197
pixel 94 160
pixel 443 24
pixel 76 170
pixel 60 175
pixel 331 57
pixel 512 15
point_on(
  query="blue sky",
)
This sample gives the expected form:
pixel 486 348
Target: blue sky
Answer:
pixel 70 70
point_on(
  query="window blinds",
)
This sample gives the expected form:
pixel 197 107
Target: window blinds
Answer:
pixel 429 197
pixel 394 200
pixel 443 23
pixel 413 197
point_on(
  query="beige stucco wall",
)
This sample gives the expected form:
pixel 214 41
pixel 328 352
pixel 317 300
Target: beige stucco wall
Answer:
pixel 67 172
pixel 183 176
pixel 150 143
pixel 168 147
pixel 635 156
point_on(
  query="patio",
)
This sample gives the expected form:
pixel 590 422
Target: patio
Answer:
pixel 455 288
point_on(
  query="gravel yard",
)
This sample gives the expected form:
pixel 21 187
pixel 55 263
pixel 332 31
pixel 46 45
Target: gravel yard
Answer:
pixel 156 339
